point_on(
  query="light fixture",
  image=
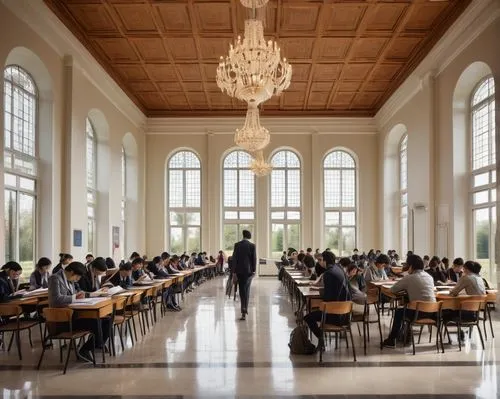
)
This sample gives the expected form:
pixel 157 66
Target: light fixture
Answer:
pixel 252 137
pixel 253 71
pixel 259 166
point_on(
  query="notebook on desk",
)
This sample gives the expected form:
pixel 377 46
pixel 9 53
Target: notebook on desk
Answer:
pixel 88 301
pixel 36 292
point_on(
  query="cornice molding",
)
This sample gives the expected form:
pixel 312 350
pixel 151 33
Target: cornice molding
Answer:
pixel 41 19
pixel 276 125
pixel 475 20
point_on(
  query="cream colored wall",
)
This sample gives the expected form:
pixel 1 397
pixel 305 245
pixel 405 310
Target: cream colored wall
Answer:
pixel 211 147
pixel 67 96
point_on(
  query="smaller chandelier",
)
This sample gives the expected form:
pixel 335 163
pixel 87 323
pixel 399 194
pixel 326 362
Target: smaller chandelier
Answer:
pixel 252 137
pixel 254 3
pixel 259 166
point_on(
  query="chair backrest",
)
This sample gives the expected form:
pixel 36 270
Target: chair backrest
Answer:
pixel 119 303
pixel 471 306
pixel 428 307
pixel 10 310
pixel 316 303
pixel 136 298
pixel 57 315
pixel 491 297
pixel 337 308
pixel 372 296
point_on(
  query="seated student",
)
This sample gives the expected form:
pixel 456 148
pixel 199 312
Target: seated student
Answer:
pixel 284 259
pixel 40 277
pixel 471 281
pixel 9 281
pixel 192 261
pixel 138 272
pixel 419 286
pixel 63 292
pixel 91 281
pixel 174 264
pixel 445 264
pixel 200 260
pixel 345 263
pixel 456 270
pixel 123 278
pixel 88 259
pixel 309 266
pixel 427 260
pixel 64 260
pixel 171 267
pixel 356 277
pixel 157 268
pixel 436 273
pixel 110 263
pixel 336 288
pixel 376 270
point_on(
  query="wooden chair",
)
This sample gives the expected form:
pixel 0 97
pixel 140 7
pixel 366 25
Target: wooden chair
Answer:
pixel 54 319
pixel 118 321
pixel 472 307
pixel 11 321
pixel 368 316
pixel 491 298
pixel 339 309
pixel 132 310
pixel 419 320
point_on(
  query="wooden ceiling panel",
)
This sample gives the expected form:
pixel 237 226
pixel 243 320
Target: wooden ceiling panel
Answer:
pixel 347 56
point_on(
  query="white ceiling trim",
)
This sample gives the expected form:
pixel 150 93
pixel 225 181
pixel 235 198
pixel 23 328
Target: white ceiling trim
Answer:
pixel 43 21
pixel 475 19
pixel 276 125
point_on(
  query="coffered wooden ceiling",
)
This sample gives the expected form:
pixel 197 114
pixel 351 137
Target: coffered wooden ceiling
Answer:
pixel 348 56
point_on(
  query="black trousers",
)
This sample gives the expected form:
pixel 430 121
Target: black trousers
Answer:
pixel 89 325
pixel 400 314
pixel 312 319
pixel 244 283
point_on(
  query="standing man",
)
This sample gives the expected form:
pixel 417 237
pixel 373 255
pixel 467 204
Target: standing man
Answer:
pixel 244 264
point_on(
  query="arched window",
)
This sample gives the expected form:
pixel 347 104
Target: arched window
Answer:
pixel 124 203
pixel 483 175
pixel 91 161
pixel 340 206
pixel 184 202
pixel 238 197
pixel 285 202
pixel 403 194
pixel 20 177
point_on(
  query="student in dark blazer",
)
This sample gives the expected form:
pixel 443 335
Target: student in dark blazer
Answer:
pixel 9 280
pixel 123 278
pixel 40 277
pixel 91 280
pixel 64 260
pixel 245 264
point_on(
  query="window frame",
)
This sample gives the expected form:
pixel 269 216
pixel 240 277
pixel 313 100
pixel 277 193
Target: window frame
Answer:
pixel 404 241
pixel 239 222
pixel 16 154
pixel 123 209
pixel 341 209
pixel 285 221
pixel 91 190
pixel 183 209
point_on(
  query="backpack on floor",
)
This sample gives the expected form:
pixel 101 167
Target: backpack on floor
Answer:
pixel 299 342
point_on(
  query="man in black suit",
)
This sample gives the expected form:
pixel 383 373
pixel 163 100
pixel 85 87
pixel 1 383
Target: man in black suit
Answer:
pixel 244 264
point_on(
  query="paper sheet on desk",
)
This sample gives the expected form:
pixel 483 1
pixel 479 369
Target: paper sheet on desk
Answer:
pixel 110 291
pixel 36 292
pixel 88 301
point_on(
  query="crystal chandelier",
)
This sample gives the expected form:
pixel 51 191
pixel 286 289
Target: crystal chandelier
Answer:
pixel 252 137
pixel 259 166
pixel 253 71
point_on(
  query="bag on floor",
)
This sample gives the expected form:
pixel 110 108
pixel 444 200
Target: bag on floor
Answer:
pixel 300 343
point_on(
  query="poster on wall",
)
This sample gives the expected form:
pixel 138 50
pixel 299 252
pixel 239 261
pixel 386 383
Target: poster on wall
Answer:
pixel 116 237
pixel 77 238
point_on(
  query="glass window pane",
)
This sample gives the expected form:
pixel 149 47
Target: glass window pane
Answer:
pixel 246 188
pixel 481 197
pixel 293 215
pixel 193 219
pixel 332 218
pixel 482 234
pixel 26 184
pixel 230 188
pixel 176 240
pixel 193 240
pixel 247 215
pixel 10 180
pixel 10 221
pixel 277 215
pixel 193 188
pixel 332 235
pixel 348 240
pixel 481 179
pixel 230 236
pixel 332 188
pixel 293 188
pixel 26 232
pixel 278 188
pixel 90 235
pixel 348 188
pixel 493 194
pixel 348 218
pixel 230 215
pixel 176 189
pixel 293 236
pixel 90 212
pixel 277 240
pixel 176 219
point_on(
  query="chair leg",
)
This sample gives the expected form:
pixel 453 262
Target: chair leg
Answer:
pixel 480 335
pixel 412 339
pixel 70 346
pixel 120 331
pixel 352 344
pixel 18 343
pixel 11 341
pixel 420 334
pixel 441 337
pixel 321 348
pixel 135 330
pixel 459 337
pixel 430 334
pixel 489 318
pixel 44 346
pixel 29 337
pixel 366 329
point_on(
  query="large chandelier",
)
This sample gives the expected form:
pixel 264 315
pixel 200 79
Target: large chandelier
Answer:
pixel 253 71
pixel 259 166
pixel 252 137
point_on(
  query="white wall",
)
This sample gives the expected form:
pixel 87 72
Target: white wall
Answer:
pixel 67 96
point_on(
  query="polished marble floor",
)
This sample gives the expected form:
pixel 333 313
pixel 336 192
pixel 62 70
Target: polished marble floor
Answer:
pixel 205 351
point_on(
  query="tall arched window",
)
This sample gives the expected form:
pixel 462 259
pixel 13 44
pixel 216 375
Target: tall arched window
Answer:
pixel 340 206
pixel 124 204
pixel 285 202
pixel 239 197
pixel 91 161
pixel 483 175
pixel 184 202
pixel 403 193
pixel 20 177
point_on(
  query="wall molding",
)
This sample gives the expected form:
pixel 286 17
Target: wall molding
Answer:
pixel 474 21
pixel 276 125
pixel 50 29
